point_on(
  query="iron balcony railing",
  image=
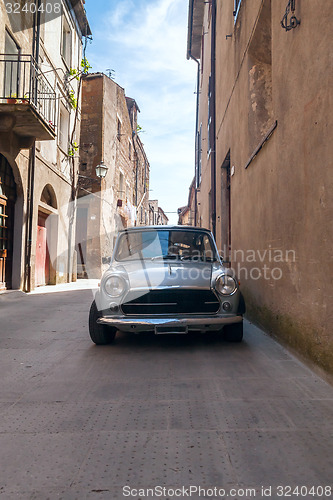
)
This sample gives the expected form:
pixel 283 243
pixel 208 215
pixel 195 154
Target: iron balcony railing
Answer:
pixel 24 82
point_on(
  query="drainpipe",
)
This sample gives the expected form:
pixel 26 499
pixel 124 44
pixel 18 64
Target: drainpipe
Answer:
pixel 213 115
pixel 31 168
pixel 29 223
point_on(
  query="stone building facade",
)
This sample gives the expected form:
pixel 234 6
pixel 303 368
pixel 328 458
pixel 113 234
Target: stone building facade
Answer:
pixel 264 158
pixel 157 216
pixel 186 214
pixel 163 219
pixel 141 166
pixel 109 134
pixel 39 119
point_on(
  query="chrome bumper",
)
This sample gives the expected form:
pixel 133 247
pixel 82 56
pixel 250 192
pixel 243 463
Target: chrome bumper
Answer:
pixel 170 325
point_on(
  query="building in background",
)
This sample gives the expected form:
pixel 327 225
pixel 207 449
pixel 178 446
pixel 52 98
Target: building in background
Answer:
pixel 163 219
pixel 186 214
pixel 141 166
pixel 39 123
pixel 157 216
pixel 109 134
pixel 264 158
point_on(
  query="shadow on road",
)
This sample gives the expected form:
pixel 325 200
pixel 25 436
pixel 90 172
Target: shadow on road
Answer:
pixel 175 342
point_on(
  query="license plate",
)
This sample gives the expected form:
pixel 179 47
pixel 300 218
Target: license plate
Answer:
pixel 165 330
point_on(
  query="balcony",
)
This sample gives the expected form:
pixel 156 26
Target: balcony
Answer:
pixel 27 100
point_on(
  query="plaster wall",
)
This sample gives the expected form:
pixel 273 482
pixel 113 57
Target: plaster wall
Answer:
pixel 53 166
pixel 204 188
pixel 281 210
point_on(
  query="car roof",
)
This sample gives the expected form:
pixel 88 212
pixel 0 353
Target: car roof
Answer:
pixel 165 228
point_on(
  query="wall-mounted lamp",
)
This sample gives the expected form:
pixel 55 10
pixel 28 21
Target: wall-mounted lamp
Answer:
pixel 101 170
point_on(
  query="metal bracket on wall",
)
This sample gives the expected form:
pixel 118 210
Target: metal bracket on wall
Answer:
pixel 262 143
pixel 293 21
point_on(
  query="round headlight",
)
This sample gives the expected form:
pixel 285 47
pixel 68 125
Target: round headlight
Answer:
pixel 115 286
pixel 225 285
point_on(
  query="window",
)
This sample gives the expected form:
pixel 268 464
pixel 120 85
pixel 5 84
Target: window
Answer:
pixel 48 196
pixel 11 81
pixel 130 150
pixel 209 139
pixel 166 245
pixel 146 180
pixel 43 19
pixel 11 46
pixel 66 42
pixel 118 129
pixel 121 186
pixel 63 129
pixel 202 54
pixel 199 155
pixel 128 192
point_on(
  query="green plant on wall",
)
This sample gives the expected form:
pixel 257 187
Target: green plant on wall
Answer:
pixel 73 149
pixel 72 99
pixel 85 67
pixel 76 74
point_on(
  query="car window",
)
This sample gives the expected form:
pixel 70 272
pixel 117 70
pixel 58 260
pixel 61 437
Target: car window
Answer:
pixel 166 245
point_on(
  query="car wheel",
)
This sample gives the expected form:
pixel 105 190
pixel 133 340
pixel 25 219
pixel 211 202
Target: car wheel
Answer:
pixel 99 334
pixel 241 305
pixel 234 332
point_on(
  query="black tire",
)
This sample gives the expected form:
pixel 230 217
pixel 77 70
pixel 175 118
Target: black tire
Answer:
pixel 99 334
pixel 234 332
pixel 241 305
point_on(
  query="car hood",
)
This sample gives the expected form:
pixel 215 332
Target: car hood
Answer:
pixel 156 274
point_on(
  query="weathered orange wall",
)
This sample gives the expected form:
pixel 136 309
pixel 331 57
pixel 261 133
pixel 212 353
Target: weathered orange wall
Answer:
pixel 282 202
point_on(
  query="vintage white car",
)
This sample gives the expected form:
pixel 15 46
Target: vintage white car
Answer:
pixel 166 279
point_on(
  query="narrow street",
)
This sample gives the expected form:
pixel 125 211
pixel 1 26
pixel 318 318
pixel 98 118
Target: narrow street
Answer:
pixel 81 422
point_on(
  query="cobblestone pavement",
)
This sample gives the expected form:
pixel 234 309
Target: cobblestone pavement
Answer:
pixel 81 422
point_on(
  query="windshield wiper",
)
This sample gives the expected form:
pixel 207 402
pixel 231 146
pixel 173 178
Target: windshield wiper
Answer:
pixel 195 258
pixel 164 257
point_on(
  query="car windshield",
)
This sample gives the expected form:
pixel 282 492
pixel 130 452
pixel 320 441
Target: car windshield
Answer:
pixel 165 244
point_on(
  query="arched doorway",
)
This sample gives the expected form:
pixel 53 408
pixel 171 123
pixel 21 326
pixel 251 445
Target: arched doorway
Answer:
pixel 7 208
pixel 46 237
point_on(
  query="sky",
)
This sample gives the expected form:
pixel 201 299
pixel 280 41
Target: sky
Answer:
pixel 144 42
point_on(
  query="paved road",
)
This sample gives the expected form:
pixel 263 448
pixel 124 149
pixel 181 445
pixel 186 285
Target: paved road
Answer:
pixel 80 421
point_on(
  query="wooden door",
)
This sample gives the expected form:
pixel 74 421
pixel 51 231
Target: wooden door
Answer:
pixel 3 242
pixel 7 209
pixel 42 263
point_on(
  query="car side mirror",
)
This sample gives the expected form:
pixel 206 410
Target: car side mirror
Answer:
pixel 226 263
pixel 106 260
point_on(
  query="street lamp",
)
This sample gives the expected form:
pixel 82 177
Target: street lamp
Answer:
pixel 101 170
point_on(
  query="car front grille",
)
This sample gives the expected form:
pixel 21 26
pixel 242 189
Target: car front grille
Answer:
pixel 171 301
